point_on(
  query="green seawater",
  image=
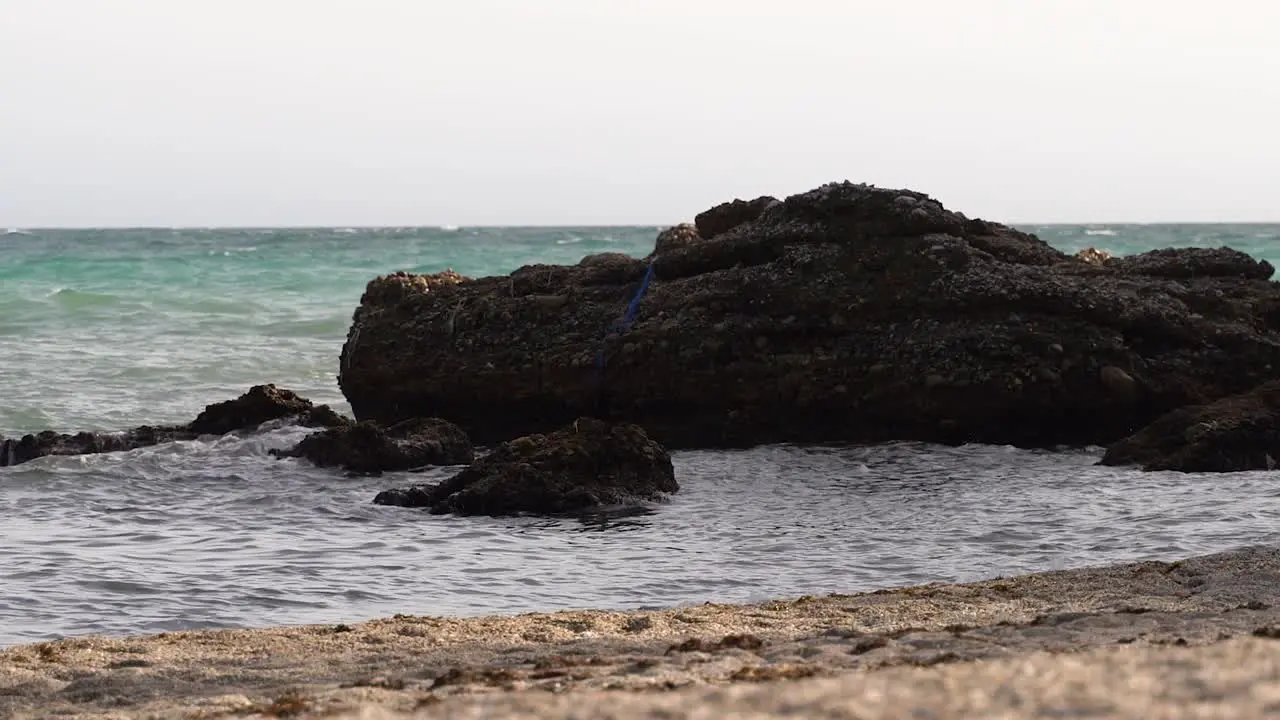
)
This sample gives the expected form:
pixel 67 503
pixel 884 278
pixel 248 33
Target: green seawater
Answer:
pixel 107 329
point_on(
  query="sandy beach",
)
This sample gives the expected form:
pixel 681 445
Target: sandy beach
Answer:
pixel 1193 638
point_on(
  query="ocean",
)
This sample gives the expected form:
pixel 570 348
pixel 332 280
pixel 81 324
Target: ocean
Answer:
pixel 109 329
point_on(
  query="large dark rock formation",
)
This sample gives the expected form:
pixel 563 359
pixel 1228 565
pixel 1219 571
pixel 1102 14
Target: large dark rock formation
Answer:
pixel 848 313
pixel 589 465
pixel 1236 433
pixel 366 448
pixel 261 404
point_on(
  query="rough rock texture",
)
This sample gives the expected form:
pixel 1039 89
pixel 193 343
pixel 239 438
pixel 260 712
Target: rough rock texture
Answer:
pixel 591 464
pixel 1236 433
pixel 365 447
pixel 848 313
pixel 673 238
pixel 727 216
pixel 262 403
pixel 15 451
pixel 1094 256
pixel 1193 262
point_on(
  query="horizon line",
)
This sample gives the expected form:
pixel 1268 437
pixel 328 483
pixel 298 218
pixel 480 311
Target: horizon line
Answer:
pixel 549 226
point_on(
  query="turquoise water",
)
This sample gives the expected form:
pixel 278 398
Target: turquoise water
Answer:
pixel 1260 240
pixel 110 329
pixel 106 329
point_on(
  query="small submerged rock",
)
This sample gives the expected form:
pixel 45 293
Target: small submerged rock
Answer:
pixel 1234 434
pixel 365 447
pixel 15 451
pixel 261 404
pixel 590 464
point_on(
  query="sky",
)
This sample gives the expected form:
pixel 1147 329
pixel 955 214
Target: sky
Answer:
pixel 546 112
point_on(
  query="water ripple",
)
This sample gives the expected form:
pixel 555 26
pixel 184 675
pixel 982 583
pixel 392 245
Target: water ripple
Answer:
pixel 107 329
pixel 216 534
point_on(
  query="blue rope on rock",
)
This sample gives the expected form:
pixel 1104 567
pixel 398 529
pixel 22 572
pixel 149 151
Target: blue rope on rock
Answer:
pixel 623 323
pixel 634 307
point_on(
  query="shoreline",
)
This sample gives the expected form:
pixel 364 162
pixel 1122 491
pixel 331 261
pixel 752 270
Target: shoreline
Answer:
pixel 1047 640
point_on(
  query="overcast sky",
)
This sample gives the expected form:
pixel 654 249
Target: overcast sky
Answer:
pixel 385 112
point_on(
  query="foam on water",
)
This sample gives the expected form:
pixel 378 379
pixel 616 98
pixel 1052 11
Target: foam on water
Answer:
pixel 108 329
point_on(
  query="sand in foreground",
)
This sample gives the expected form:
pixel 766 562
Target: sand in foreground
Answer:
pixel 1150 640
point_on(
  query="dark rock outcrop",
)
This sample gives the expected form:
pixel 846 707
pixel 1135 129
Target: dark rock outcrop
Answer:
pixel 262 403
pixel 365 447
pixel 591 464
pixel 847 313
pixel 1182 263
pixel 727 216
pixel 1236 433
pixel 674 238
pixel 16 451
pixel 1193 263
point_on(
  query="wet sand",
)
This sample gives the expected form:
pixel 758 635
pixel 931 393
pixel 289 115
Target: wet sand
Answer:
pixel 1194 639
